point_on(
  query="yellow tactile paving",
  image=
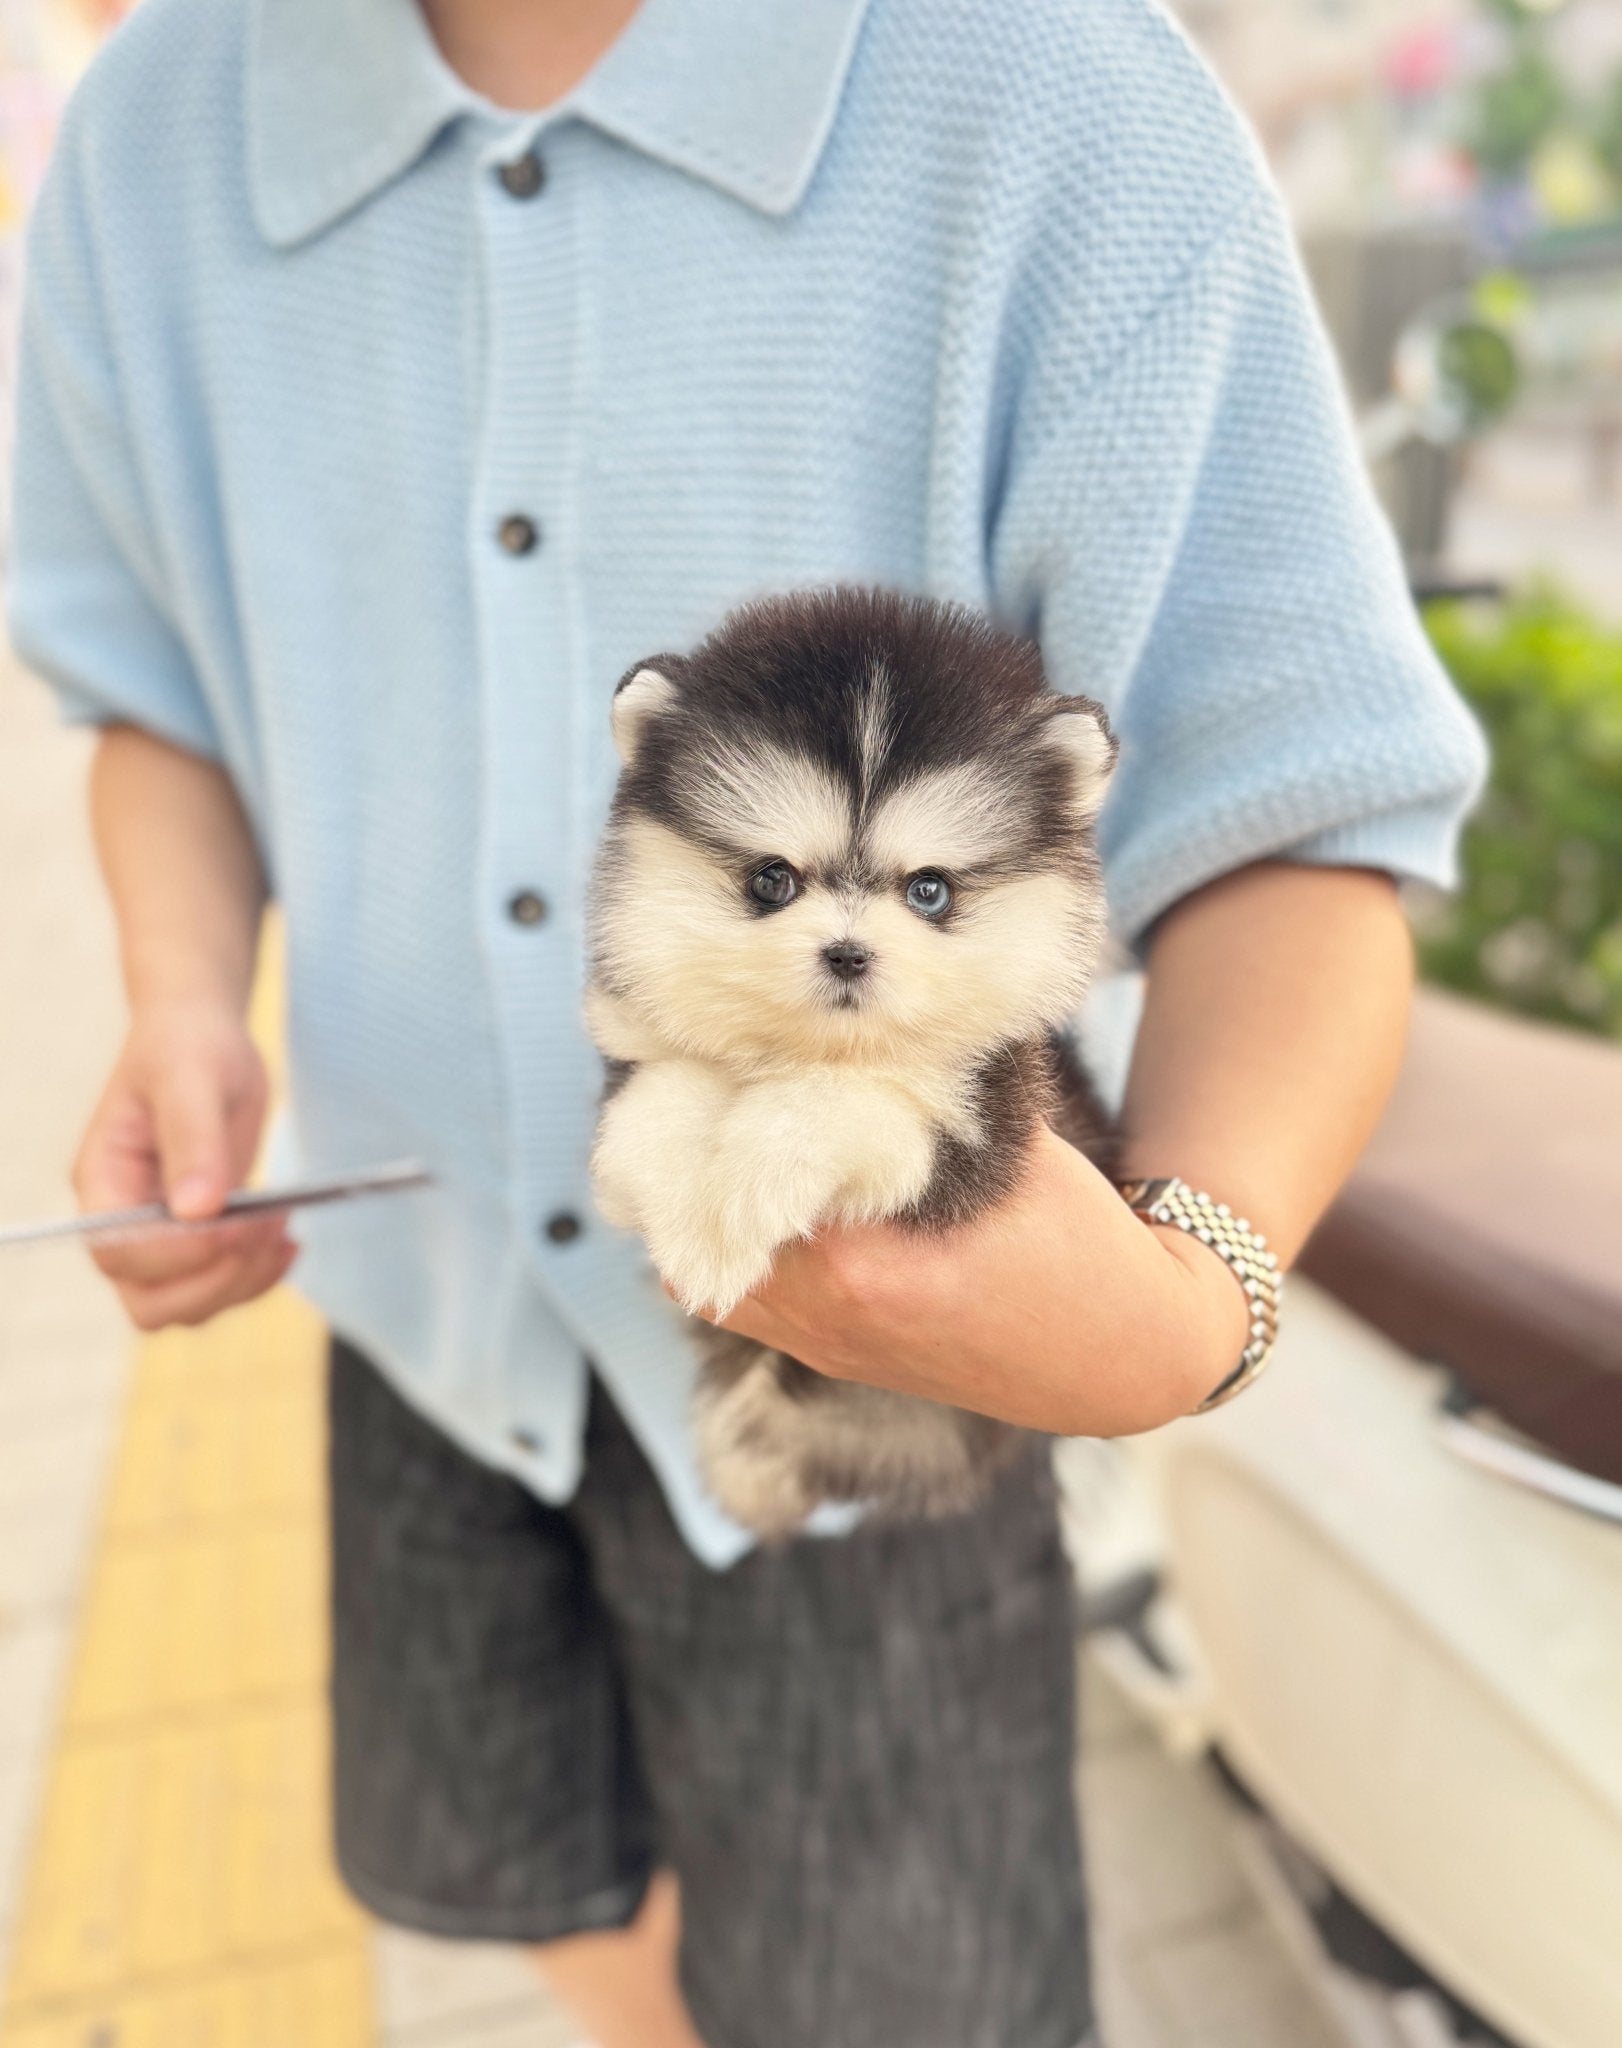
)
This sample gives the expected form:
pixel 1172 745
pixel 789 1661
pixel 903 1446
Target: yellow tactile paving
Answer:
pixel 180 1892
pixel 321 2001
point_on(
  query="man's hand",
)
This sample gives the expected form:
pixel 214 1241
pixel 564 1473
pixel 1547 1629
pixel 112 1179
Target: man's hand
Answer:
pixel 180 1119
pixel 1059 1309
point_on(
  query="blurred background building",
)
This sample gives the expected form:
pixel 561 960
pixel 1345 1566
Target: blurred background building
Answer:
pixel 1447 144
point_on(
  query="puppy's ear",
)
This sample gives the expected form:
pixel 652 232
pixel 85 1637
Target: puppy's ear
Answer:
pixel 1077 728
pixel 641 693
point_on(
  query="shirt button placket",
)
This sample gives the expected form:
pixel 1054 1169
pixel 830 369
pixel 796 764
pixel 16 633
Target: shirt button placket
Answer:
pixel 532 362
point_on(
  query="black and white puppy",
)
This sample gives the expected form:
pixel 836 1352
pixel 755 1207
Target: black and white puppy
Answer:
pixel 846 904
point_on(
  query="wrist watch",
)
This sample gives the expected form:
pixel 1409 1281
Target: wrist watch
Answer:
pixel 1243 1250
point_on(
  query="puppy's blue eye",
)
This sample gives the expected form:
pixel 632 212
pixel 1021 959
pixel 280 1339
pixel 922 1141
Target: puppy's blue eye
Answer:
pixel 774 885
pixel 929 895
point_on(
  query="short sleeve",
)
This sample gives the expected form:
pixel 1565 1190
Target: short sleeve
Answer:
pixel 1190 532
pixel 87 594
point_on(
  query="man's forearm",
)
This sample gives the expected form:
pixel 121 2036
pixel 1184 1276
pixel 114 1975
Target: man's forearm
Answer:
pixel 181 867
pixel 182 1109
pixel 1273 1029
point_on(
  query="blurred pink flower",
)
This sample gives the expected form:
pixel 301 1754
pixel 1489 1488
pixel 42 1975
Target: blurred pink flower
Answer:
pixel 1420 62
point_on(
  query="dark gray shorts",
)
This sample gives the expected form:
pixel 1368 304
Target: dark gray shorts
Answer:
pixel 856 1754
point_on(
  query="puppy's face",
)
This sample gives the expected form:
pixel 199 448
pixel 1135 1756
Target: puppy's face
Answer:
pixel 869 899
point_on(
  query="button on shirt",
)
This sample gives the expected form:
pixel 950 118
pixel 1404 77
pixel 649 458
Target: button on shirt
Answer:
pixel 368 433
pixel 524 176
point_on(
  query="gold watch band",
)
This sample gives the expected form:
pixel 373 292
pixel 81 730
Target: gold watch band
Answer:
pixel 1243 1250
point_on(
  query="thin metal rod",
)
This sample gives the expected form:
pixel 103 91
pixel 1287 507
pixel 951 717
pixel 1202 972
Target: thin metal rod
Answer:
pixel 148 1219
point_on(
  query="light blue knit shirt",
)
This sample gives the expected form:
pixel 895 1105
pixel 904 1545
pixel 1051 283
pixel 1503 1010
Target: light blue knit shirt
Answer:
pixel 988 300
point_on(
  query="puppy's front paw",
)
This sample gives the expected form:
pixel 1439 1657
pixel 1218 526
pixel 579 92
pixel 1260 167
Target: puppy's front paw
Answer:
pixel 810 1149
pixel 613 1189
pixel 619 1171
pixel 707 1270
pixel 769 1183
pixel 653 1144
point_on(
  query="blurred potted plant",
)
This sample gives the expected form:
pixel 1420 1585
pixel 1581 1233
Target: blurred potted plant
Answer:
pixel 1537 923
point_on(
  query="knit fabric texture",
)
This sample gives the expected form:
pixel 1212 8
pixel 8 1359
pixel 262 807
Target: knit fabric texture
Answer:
pixel 994 302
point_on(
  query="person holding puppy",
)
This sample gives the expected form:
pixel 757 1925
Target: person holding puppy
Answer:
pixel 394 376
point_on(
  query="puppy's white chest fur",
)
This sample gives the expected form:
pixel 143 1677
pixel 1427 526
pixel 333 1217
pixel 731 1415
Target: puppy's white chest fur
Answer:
pixel 716 1170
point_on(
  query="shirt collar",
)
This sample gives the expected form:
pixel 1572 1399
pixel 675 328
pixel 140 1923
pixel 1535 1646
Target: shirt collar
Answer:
pixel 345 95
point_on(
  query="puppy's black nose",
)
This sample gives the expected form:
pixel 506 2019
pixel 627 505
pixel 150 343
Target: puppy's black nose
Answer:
pixel 847 959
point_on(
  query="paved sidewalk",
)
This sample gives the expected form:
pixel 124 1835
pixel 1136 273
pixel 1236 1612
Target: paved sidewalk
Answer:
pixel 63 1347
pixel 163 1871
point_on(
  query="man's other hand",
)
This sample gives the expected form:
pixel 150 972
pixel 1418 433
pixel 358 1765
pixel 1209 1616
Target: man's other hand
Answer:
pixel 179 1121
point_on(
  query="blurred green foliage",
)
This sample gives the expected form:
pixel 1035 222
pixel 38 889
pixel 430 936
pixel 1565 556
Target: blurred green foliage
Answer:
pixel 1537 923
pixel 1513 110
pixel 1607 125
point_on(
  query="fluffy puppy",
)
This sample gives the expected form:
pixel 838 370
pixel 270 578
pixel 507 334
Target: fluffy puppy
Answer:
pixel 846 904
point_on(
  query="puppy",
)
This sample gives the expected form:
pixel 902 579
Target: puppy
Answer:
pixel 845 906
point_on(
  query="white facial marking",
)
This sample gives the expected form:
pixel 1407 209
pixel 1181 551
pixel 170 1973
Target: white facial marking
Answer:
pixel 953 817
pixel 635 702
pixel 773 802
pixel 874 731
pixel 680 943
pixel 1014 961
